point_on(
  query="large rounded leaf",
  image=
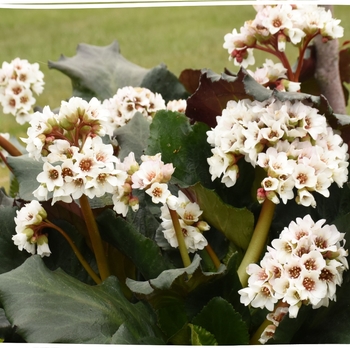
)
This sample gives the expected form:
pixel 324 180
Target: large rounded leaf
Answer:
pixel 51 307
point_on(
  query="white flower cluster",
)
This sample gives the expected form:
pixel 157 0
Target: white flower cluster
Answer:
pixel 177 106
pixel 19 80
pixel 303 266
pixel 129 100
pixel 273 76
pixel 153 177
pixel 274 25
pixel 192 226
pixel 29 221
pixel 46 127
pixel 76 160
pixel 290 140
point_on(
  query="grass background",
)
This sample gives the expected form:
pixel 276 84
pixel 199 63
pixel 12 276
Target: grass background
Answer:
pixel 180 37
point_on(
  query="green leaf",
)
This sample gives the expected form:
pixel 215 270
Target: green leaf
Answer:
pixel 62 255
pixel 10 256
pixel 220 319
pixel 200 336
pixel 169 291
pixel 26 170
pixel 182 144
pixel 237 224
pixel 161 80
pixel 51 307
pixel 133 136
pixel 98 71
pixel 144 252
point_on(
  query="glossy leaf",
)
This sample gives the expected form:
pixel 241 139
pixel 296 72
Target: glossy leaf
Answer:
pixel 237 224
pixel 26 170
pixel 182 144
pixel 51 306
pixel 144 252
pixel 10 256
pixel 200 336
pixel 133 136
pixel 161 80
pixel 220 319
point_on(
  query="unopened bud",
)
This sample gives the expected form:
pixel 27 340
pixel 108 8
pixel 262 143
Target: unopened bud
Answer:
pixel 85 130
pixel 202 226
pixel 134 203
pixel 66 125
pixel 281 38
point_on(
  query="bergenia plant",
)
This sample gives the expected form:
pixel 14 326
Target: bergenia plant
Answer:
pixel 201 210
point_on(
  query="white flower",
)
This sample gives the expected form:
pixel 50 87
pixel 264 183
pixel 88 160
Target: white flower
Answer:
pixel 289 140
pixel 18 81
pixel 158 192
pixel 151 170
pixel 303 267
pixel 51 176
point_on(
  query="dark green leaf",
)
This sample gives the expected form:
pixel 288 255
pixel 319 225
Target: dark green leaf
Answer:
pixel 237 224
pixel 167 293
pixel 161 80
pixel 133 136
pixel 182 144
pixel 51 306
pixel 26 170
pixel 98 71
pixel 10 256
pixel 144 252
pixel 200 336
pixel 220 319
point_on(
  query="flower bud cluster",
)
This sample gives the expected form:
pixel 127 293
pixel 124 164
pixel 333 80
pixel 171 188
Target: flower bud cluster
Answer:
pixel 19 80
pixel 29 222
pixel 76 120
pixel 275 25
pixel 303 266
pixel 129 100
pixel 289 140
pixel 189 215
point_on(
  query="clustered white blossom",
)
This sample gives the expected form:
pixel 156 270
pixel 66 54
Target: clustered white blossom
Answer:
pixel 289 140
pixel 303 266
pixel 273 76
pixel 153 177
pixel 76 160
pixel 129 100
pixel 189 215
pixel 29 237
pixel 274 25
pixel 19 81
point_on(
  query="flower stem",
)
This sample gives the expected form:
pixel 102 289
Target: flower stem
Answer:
pixel 82 260
pixel 95 237
pixel 213 256
pixel 254 340
pixel 9 147
pixel 258 240
pixel 180 238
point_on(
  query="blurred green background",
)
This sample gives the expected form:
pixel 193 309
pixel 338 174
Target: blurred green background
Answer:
pixel 180 37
